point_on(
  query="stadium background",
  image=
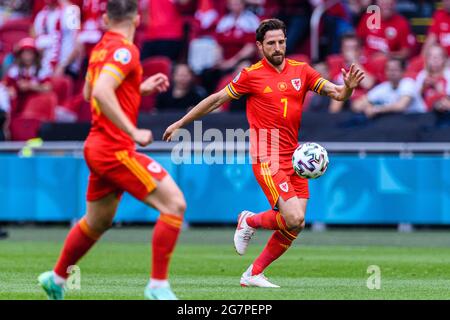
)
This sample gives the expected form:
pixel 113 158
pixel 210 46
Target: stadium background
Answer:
pixel 389 171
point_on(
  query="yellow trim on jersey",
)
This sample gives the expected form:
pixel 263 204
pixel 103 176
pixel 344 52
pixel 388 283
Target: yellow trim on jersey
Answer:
pixel 112 74
pixel 256 66
pixel 137 169
pixel 315 83
pixel 116 69
pixel 294 62
pixel 232 91
pixel 269 181
pixel 321 86
pixel 318 85
pixel 230 94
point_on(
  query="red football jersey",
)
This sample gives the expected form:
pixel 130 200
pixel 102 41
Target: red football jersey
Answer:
pixel 119 58
pixel 275 105
pixel 441 28
pixel 393 35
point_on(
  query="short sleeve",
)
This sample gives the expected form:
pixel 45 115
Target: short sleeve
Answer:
pixel 378 94
pixel 314 80
pixel 407 87
pixel 239 86
pixel 122 62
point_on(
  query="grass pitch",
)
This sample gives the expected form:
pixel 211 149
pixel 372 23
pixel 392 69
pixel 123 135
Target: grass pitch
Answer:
pixel 321 265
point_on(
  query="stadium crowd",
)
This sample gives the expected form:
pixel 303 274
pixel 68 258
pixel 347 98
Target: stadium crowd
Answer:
pixel 202 44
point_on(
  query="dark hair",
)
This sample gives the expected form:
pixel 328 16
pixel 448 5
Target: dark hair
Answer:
pixel 269 25
pixel 350 36
pixel 402 62
pixel 121 10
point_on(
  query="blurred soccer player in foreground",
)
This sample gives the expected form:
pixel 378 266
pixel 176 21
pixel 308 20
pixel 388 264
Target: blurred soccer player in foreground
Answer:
pixel 275 89
pixel 114 87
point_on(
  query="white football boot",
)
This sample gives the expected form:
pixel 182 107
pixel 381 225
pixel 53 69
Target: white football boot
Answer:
pixel 258 280
pixel 244 233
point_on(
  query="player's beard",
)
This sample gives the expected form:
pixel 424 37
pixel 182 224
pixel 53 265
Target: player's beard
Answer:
pixel 276 59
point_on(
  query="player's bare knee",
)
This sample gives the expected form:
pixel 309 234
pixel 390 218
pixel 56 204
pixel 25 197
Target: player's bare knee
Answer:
pixel 295 221
pixel 176 206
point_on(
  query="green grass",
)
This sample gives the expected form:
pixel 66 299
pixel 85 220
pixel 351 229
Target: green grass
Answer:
pixel 321 265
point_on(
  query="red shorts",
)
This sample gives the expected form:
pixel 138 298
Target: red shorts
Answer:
pixel 282 182
pixel 119 171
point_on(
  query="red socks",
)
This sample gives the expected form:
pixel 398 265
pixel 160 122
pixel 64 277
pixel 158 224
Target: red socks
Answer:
pixel 276 246
pixel 280 241
pixel 165 237
pixel 79 240
pixel 270 220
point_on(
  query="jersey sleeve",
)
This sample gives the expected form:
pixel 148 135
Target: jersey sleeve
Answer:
pixel 314 80
pixel 121 62
pixel 239 86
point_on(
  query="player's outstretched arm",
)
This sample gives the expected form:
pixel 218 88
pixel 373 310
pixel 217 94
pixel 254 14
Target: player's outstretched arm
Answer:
pixel 156 83
pixel 104 93
pixel 352 78
pixel 206 106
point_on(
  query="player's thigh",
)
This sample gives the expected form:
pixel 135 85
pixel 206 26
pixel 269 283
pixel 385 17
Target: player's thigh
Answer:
pixel 167 197
pixel 146 180
pixel 100 213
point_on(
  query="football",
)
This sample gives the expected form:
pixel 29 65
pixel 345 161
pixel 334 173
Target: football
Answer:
pixel 310 160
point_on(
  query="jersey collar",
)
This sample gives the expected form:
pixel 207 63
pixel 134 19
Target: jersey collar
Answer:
pixel 113 34
pixel 270 67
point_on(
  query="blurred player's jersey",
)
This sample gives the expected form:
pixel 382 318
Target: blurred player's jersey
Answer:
pixel 275 105
pixel 119 58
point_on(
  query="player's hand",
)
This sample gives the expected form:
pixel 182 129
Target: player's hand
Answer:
pixel 371 111
pixel 142 137
pixel 168 134
pixel 156 83
pixel 353 77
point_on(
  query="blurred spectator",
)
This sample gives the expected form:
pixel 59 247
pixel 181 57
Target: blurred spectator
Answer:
pixel 163 25
pixel 396 95
pixel 433 82
pixel 92 25
pixel 235 34
pixel 5 108
pixel 351 53
pixel 319 103
pixel 26 81
pixel 13 9
pixel 357 9
pixel 337 21
pixel 183 94
pixel 393 37
pixel 439 32
pixel 204 51
pixel 296 14
pixel 55 27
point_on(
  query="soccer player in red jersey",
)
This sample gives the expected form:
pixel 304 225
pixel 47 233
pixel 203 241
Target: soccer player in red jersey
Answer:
pixel 275 88
pixel 114 87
